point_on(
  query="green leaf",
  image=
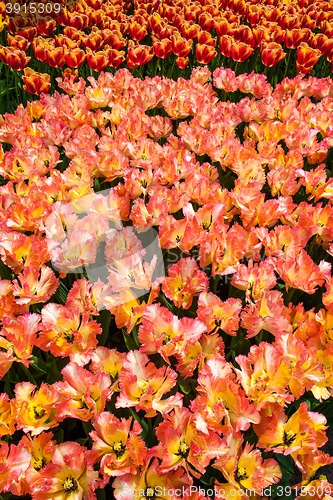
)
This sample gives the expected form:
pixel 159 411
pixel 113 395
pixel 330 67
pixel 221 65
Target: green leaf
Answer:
pixel 184 385
pixel 129 341
pixel 5 271
pixel 286 462
pixel 165 301
pixel 61 294
pixel 40 365
pixel 142 422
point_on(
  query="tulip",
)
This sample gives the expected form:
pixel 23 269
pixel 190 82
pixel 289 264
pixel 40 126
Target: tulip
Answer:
pixel 75 57
pixel 72 33
pixel 306 58
pixel 294 37
pixel 189 31
pixel 206 21
pixel 271 53
pixel 35 83
pixel 204 53
pixel 182 62
pixel 225 44
pixel 139 55
pixel 114 39
pixel 97 61
pixel 222 27
pixel 18 41
pixel 15 58
pixel 56 57
pixel 244 34
pixel 95 17
pixel 137 31
pixel 116 57
pixel 204 37
pixel 241 51
pixel 78 21
pixel 47 28
pixel 180 46
pixel 162 48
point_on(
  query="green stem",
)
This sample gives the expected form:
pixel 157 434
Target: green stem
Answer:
pixel 28 374
pixel 236 67
pixel 289 295
pixel 287 65
pixel 155 72
pixel 173 65
pixel 260 336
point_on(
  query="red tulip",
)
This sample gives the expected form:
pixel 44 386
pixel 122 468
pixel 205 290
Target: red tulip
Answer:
pixel 97 61
pixel 204 53
pixel 271 53
pixel 14 57
pixel 75 57
pixel 56 57
pixel 139 55
pixel 241 51
pixel 306 58
pixel 180 46
pixel 35 83
pixel 162 48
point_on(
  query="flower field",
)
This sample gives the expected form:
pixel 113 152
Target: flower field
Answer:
pixel 166 250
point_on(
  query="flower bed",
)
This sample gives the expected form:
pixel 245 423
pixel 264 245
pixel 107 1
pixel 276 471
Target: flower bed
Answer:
pixel 212 370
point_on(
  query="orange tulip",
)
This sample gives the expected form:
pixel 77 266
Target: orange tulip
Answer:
pixel 139 55
pixel 78 21
pixel 244 34
pixel 205 53
pixel 18 41
pixel 40 48
pixel 94 41
pixel 114 39
pixel 204 37
pixel 225 44
pixel 260 34
pixel 96 16
pixel 47 28
pixel 189 31
pixel 14 57
pixel 206 21
pixel 64 41
pixel 289 22
pixel 137 31
pixel 97 61
pixel 271 53
pixel 29 33
pixel 306 58
pixel 182 62
pixel 180 46
pixel 162 48
pixel 75 57
pixel 322 43
pixel 72 33
pixel 253 13
pixel 116 57
pixel 56 57
pixel 35 83
pixel 155 23
pixel 222 27
pixel 294 37
pixel 240 51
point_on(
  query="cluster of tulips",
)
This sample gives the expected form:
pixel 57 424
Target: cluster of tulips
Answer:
pixel 94 35
pixel 199 378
